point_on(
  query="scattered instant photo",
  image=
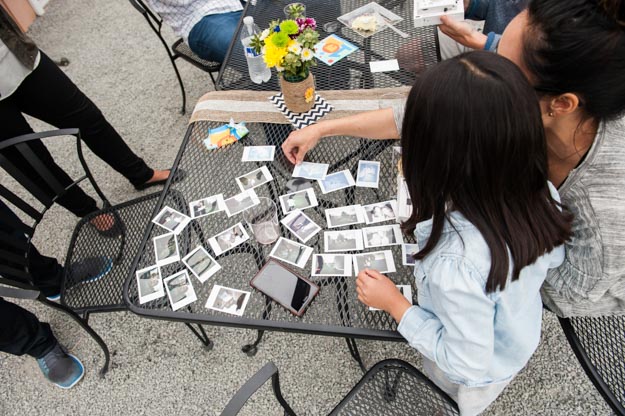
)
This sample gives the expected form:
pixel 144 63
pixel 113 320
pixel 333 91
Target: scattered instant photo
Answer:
pixel 341 216
pixel 258 153
pixel 225 299
pixel 171 220
pixel 206 206
pixel 405 290
pixel 380 211
pixel 332 265
pixel 368 175
pixel 310 170
pixel 382 261
pixel 408 252
pixel 228 239
pixel 404 203
pixel 301 225
pixel 201 264
pixel 254 178
pixel 336 181
pixel 240 202
pixel 346 240
pixel 303 199
pixel 384 235
pixel 179 290
pixel 150 284
pixel 291 252
pixel 166 249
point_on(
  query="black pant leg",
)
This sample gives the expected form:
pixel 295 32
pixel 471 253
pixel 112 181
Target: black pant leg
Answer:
pixel 14 124
pixel 49 95
pixel 22 333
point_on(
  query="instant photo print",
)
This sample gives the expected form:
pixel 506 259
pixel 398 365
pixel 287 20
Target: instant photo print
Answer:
pixel 336 181
pixel 179 290
pixel 291 252
pixel 201 264
pixel 346 240
pixel 368 174
pixel 258 153
pixel 228 300
pixel 380 212
pixel 228 239
pixel 171 220
pixel 149 284
pixel 298 200
pixel 301 225
pixel 310 170
pixel 331 265
pixel 384 235
pixel 166 249
pixel 254 178
pixel 408 252
pixel 382 261
pixel 343 216
pixel 206 206
pixel 241 202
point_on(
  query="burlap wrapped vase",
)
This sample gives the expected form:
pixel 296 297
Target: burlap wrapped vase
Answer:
pixel 299 97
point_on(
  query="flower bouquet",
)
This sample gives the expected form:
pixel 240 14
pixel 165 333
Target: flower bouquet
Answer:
pixel 288 46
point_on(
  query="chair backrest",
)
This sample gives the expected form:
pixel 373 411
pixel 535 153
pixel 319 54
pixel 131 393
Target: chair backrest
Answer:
pixel 599 345
pixel 34 177
pixel 395 388
pixel 154 20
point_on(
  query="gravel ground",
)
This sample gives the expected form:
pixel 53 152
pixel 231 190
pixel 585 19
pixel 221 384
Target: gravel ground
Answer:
pixel 159 367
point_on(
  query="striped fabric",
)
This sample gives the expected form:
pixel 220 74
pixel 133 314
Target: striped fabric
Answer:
pixel 182 15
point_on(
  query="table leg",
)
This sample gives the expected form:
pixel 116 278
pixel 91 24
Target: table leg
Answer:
pixel 201 335
pixel 252 349
pixel 353 350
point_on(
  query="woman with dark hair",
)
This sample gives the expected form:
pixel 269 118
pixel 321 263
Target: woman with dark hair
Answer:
pixel 573 53
pixel 487 222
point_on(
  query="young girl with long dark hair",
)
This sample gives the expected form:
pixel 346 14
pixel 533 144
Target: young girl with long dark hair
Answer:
pixel 487 222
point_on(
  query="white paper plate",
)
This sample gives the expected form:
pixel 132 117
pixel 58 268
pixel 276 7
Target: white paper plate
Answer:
pixel 383 17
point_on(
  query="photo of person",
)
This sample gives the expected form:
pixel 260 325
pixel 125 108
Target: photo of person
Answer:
pixel 301 225
pixel 310 170
pixel 254 178
pixel 240 202
pixel 380 211
pixel 368 175
pixel 179 290
pixel 408 252
pixel 171 220
pixel 258 153
pixel 332 265
pixel 336 181
pixel 386 235
pixel 206 206
pixel 228 300
pixel 201 264
pixel 381 261
pixel 291 252
pixel 339 217
pixel 347 240
pixel 149 284
pixel 166 249
pixel 298 200
pixel 228 239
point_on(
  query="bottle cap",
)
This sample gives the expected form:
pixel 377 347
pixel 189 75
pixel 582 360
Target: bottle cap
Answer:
pixel 248 20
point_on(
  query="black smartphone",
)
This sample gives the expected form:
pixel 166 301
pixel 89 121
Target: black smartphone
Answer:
pixel 285 287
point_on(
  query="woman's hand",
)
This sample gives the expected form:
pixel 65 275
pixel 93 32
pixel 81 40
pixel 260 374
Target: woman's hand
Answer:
pixel 463 33
pixel 378 291
pixel 300 142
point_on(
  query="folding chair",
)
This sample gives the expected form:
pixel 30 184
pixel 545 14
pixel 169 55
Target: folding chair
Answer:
pixel 599 345
pixel 179 49
pixel 389 388
pixel 78 297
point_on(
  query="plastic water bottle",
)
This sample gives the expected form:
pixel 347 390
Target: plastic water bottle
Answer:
pixel 256 66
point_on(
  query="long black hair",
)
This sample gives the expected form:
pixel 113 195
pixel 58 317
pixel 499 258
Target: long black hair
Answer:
pixel 473 141
pixel 578 46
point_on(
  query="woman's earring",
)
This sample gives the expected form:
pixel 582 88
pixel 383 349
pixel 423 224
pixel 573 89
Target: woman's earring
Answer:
pixel 551 114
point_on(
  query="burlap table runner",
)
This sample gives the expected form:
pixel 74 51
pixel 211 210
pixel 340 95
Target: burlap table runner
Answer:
pixel 254 106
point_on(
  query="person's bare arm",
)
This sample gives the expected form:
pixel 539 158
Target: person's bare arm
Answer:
pixel 376 124
pixel 463 33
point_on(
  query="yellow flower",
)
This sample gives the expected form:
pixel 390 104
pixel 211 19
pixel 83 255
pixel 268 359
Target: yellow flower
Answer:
pixel 309 94
pixel 273 55
pixel 307 54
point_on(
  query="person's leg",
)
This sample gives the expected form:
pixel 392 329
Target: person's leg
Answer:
pixel 210 37
pixel 22 333
pixel 14 124
pixel 65 106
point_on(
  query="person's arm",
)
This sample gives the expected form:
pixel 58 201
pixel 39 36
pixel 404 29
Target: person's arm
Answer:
pixel 465 34
pixel 377 124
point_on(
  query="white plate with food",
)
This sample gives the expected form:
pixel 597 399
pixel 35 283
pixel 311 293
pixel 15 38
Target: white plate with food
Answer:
pixel 369 19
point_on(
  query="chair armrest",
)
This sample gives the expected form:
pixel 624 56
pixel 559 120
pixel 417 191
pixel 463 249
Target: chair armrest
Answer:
pixel 137 6
pixel 11 292
pixel 38 135
pixel 249 388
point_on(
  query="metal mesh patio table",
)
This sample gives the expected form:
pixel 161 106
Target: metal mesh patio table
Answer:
pixel 336 310
pixel 414 54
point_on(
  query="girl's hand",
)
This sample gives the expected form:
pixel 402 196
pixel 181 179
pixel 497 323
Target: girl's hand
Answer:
pixel 462 33
pixel 300 142
pixel 378 291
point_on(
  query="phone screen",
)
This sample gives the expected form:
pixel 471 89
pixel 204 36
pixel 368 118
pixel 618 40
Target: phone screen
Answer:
pixel 285 287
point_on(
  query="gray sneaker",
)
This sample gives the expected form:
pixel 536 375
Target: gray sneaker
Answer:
pixel 61 368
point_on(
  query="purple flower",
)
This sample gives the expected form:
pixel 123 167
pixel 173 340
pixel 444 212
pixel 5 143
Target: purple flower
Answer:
pixel 306 22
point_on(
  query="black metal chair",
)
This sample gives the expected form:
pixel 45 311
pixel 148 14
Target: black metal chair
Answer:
pixel 599 345
pixel 389 388
pixel 78 297
pixel 179 49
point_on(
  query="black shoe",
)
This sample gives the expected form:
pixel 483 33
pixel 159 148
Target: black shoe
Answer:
pixel 180 175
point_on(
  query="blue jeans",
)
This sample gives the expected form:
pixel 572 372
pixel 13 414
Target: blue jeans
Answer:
pixel 210 37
